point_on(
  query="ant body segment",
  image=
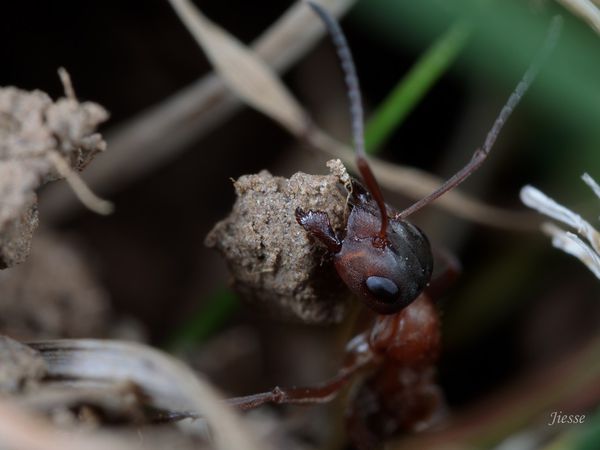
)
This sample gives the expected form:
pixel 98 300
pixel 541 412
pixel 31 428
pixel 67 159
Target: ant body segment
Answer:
pixel 387 262
pixel 399 394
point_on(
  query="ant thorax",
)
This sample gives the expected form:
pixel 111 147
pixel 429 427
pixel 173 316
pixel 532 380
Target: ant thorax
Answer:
pixel 411 337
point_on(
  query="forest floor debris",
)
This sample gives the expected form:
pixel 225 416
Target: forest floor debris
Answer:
pixel 41 140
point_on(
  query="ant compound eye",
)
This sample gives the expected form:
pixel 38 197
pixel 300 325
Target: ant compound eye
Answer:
pixel 383 288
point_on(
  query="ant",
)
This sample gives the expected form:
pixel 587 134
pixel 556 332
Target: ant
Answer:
pixel 387 262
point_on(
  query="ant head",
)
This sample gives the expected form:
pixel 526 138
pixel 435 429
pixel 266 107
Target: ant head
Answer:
pixel 388 262
pixel 386 275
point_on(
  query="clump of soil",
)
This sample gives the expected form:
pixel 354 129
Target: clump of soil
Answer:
pixel 274 263
pixel 16 234
pixel 35 133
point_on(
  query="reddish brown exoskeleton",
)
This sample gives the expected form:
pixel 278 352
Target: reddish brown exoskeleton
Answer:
pixel 387 263
pixel 399 394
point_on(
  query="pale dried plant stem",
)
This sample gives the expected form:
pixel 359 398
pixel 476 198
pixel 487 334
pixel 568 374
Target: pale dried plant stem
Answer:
pixel 567 241
pixel 65 79
pixel 254 81
pixel 536 199
pixel 572 244
pixel 159 375
pixel 81 190
pixel 161 133
pixel 247 76
pixel 586 10
pixel 591 183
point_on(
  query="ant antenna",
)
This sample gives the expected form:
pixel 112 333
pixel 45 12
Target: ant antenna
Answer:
pixel 482 152
pixel 356 109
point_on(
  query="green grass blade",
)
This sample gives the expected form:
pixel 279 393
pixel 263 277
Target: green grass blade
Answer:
pixel 414 85
pixel 209 319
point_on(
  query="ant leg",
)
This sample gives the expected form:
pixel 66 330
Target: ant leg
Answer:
pixel 447 277
pixel 321 393
pixel 317 224
pixel 308 395
pixel 358 357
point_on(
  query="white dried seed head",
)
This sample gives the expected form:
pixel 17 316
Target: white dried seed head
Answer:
pixel 567 241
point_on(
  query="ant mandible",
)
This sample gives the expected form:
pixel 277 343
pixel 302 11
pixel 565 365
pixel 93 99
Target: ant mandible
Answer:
pixel 387 262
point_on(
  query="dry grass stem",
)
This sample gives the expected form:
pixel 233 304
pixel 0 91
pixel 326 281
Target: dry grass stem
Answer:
pixel 244 73
pixel 203 106
pixel 261 88
pixel 161 133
